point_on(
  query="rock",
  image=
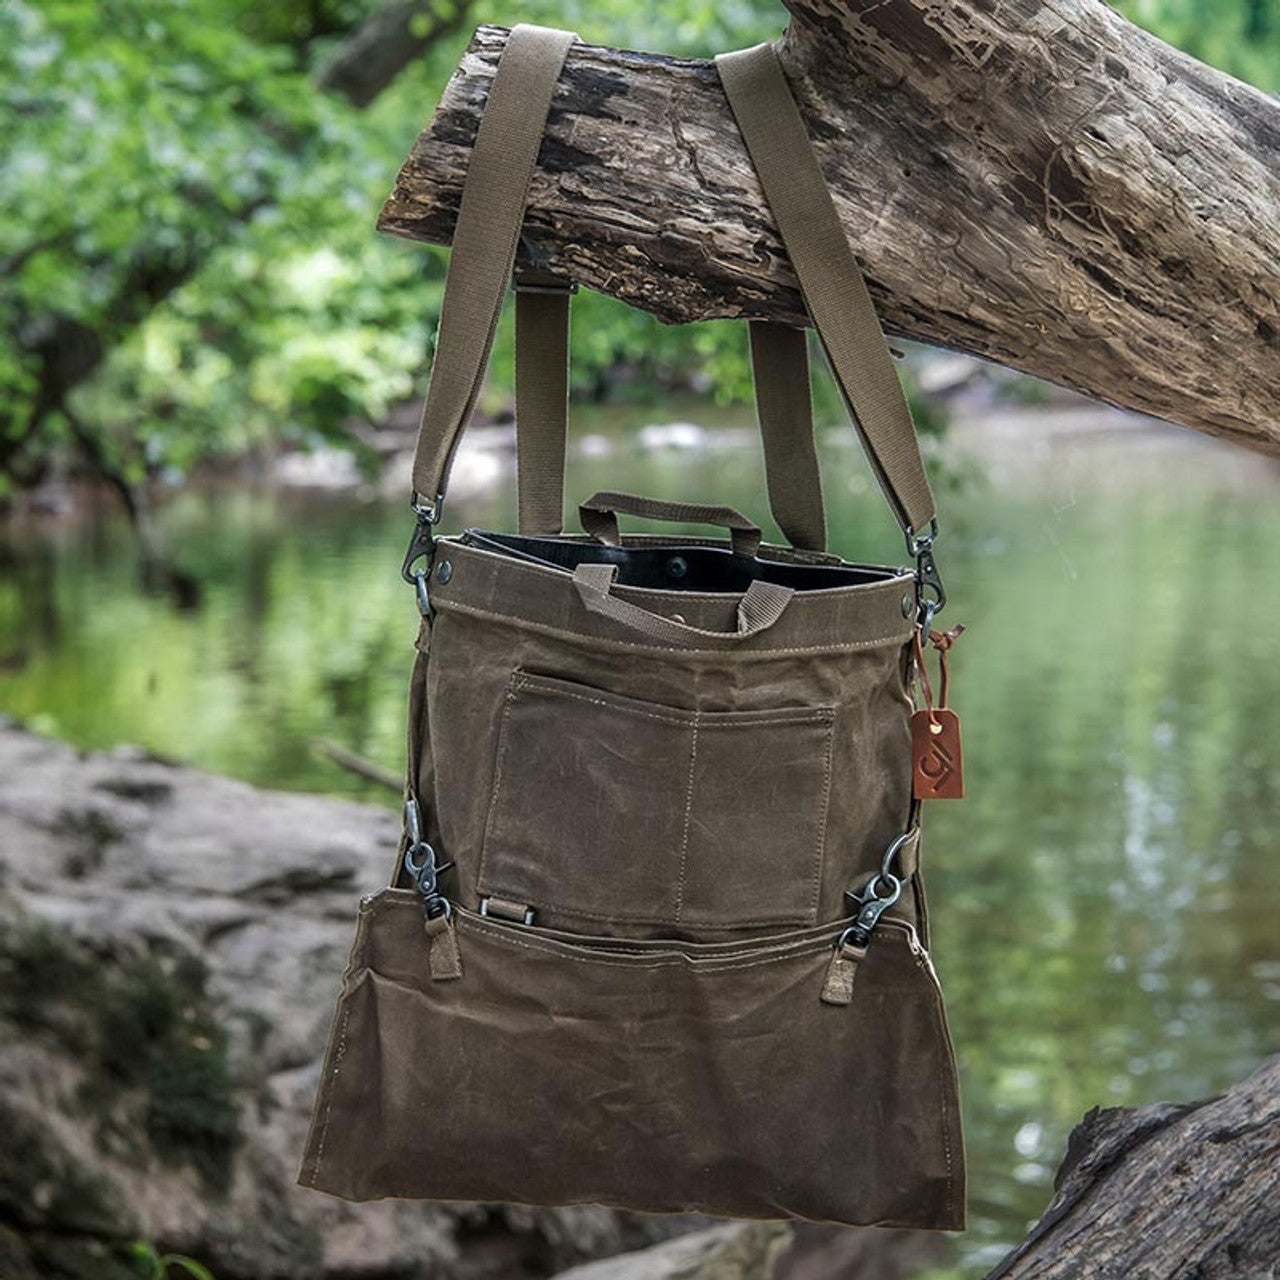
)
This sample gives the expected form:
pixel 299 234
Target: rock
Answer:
pixel 171 944
pixel 322 467
pixel 861 1253
pixel 672 435
pixel 731 1251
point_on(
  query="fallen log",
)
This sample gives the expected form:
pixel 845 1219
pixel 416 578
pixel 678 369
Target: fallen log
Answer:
pixel 1169 1190
pixel 1046 186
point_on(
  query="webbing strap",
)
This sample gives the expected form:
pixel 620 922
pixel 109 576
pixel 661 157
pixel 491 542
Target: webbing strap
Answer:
pixel 484 245
pixel 542 402
pixel 780 363
pixel 784 406
pixel 831 282
pixel 761 606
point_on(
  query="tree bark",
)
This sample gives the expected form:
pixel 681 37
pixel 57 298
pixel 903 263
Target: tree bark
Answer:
pixel 1040 184
pixel 1166 1190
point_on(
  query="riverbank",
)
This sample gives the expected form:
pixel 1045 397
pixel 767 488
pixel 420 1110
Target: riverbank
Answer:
pixel 1117 850
pixel 171 943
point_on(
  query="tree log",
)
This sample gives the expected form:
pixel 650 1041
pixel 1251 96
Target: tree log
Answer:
pixel 1040 184
pixel 1166 1190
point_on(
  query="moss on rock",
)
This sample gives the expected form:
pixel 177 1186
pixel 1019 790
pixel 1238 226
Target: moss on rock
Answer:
pixel 144 1030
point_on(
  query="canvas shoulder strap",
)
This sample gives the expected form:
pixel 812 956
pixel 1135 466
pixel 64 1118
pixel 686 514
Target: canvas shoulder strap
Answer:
pixel 831 282
pixel 484 247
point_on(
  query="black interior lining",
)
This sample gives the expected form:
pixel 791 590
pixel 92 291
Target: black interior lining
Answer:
pixel 676 566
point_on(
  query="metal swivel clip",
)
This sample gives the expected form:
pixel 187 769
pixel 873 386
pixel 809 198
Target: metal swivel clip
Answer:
pixel 420 863
pixel 931 595
pixel 875 897
pixel 416 569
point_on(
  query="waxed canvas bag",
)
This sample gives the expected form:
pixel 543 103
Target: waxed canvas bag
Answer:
pixel 656 937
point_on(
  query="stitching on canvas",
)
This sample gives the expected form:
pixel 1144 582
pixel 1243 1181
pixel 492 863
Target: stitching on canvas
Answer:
pixel 949 1107
pixel 492 817
pixel 330 1085
pixel 552 686
pixel 633 961
pixel 818 859
pixel 616 961
pixel 688 814
pixel 562 633
pixel 621 917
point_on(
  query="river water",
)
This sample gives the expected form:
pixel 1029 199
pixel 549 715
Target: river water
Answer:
pixel 1104 901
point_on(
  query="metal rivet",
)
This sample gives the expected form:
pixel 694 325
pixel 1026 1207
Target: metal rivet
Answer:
pixel 677 567
pixel 444 572
pixel 908 606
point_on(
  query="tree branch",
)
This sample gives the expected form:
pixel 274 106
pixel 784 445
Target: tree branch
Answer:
pixel 1043 185
pixel 391 38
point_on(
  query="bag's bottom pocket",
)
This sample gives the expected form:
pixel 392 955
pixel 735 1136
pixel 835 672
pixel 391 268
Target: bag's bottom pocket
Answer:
pixel 659 1076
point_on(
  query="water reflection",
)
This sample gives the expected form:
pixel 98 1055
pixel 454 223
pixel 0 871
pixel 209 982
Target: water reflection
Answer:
pixel 1104 902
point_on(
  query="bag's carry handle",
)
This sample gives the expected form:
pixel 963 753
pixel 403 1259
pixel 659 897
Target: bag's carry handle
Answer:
pixel 599 516
pixel 761 606
pixel 835 293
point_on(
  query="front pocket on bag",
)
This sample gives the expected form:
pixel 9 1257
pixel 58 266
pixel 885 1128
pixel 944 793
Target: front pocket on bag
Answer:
pixel 664 1075
pixel 605 807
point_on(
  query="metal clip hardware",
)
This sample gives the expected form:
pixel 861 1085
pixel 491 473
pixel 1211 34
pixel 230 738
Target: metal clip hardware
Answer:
pixel 501 910
pixel 422 547
pixel 876 896
pixel 420 862
pixel 928 579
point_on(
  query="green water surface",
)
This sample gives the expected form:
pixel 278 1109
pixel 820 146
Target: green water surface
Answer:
pixel 1104 901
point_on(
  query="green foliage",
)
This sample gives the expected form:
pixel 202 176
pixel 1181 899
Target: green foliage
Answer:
pixel 1241 37
pixel 153 1265
pixel 187 141
pixel 189 201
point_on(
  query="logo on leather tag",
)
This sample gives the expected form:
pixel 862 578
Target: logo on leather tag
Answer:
pixel 937 765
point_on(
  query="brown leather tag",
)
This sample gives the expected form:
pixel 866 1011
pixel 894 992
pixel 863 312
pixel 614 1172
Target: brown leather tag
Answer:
pixel 937 766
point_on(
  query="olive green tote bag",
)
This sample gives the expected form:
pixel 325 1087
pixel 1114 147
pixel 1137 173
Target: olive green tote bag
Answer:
pixel 656 937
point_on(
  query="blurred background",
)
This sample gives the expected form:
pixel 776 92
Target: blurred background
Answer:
pixel 208 391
